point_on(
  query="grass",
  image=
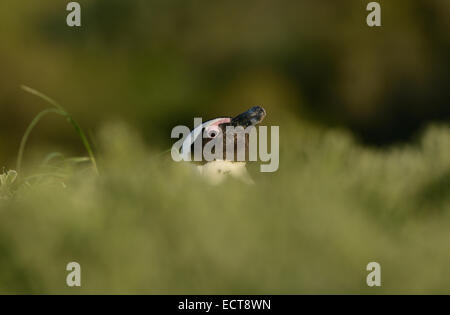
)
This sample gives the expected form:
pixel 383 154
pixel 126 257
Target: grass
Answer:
pixel 149 225
pixel 57 109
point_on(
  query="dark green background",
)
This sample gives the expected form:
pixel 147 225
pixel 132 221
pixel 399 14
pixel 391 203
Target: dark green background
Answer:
pixel 156 64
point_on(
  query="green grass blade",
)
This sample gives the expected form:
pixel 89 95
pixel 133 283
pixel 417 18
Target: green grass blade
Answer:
pixel 85 141
pixel 30 128
pixel 63 112
pixel 52 156
pixel 43 96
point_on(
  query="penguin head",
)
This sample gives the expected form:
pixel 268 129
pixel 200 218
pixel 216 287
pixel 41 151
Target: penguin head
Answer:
pixel 252 117
pixel 218 127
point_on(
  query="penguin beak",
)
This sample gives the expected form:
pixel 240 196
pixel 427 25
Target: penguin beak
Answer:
pixel 251 117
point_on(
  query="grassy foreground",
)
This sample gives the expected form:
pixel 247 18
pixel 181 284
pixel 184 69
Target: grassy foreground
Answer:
pixel 148 225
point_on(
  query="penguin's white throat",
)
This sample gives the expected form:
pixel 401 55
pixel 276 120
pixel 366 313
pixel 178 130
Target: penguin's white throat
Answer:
pixel 216 171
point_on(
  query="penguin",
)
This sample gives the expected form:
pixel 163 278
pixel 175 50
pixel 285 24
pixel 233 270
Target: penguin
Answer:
pixel 217 170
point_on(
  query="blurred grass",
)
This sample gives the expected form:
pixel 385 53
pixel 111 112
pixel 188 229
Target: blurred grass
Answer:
pixel 148 225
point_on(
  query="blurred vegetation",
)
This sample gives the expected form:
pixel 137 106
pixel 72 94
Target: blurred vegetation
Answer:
pixel 365 146
pixel 148 225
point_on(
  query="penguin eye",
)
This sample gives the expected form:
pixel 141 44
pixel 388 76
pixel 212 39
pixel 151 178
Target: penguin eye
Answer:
pixel 213 132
